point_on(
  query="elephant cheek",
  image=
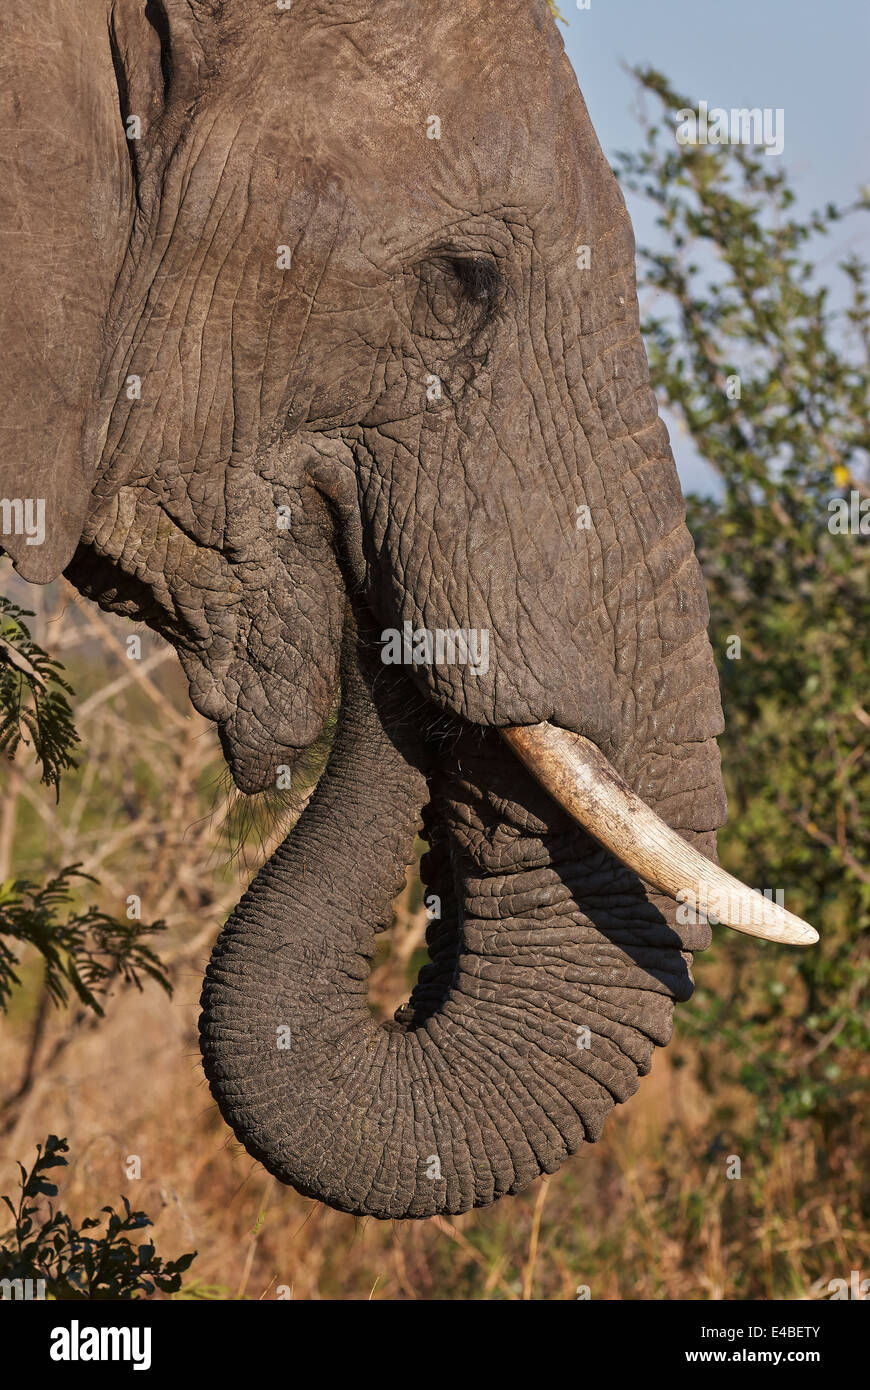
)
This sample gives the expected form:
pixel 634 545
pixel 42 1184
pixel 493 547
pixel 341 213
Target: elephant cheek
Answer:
pixel 65 214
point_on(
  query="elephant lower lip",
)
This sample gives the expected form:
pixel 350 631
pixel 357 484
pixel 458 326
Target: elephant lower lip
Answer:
pixel 258 767
pixel 259 763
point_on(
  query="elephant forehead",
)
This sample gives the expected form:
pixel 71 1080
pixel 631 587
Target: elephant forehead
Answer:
pixel 413 115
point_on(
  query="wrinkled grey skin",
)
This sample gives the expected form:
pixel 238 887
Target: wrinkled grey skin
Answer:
pixel 306 388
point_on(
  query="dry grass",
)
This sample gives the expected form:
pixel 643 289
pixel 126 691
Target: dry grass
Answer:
pixel 648 1213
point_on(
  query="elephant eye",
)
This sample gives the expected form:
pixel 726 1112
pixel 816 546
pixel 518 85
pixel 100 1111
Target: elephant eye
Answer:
pixel 457 296
pixel 480 286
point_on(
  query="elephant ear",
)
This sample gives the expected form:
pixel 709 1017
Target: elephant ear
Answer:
pixel 70 78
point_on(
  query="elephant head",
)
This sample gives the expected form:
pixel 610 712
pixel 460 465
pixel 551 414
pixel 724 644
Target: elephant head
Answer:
pixel 332 374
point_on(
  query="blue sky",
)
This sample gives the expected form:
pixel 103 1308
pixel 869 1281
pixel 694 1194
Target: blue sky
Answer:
pixel 809 57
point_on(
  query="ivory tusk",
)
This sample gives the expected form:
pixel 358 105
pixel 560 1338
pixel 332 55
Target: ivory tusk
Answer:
pixel 578 776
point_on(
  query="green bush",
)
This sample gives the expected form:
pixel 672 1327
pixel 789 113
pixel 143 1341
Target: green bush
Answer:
pixel 767 369
pixel 73 1261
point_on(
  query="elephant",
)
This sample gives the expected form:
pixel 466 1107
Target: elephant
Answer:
pixel 322 357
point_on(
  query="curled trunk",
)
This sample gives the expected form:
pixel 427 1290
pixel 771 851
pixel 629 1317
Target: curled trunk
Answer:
pixel 553 974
